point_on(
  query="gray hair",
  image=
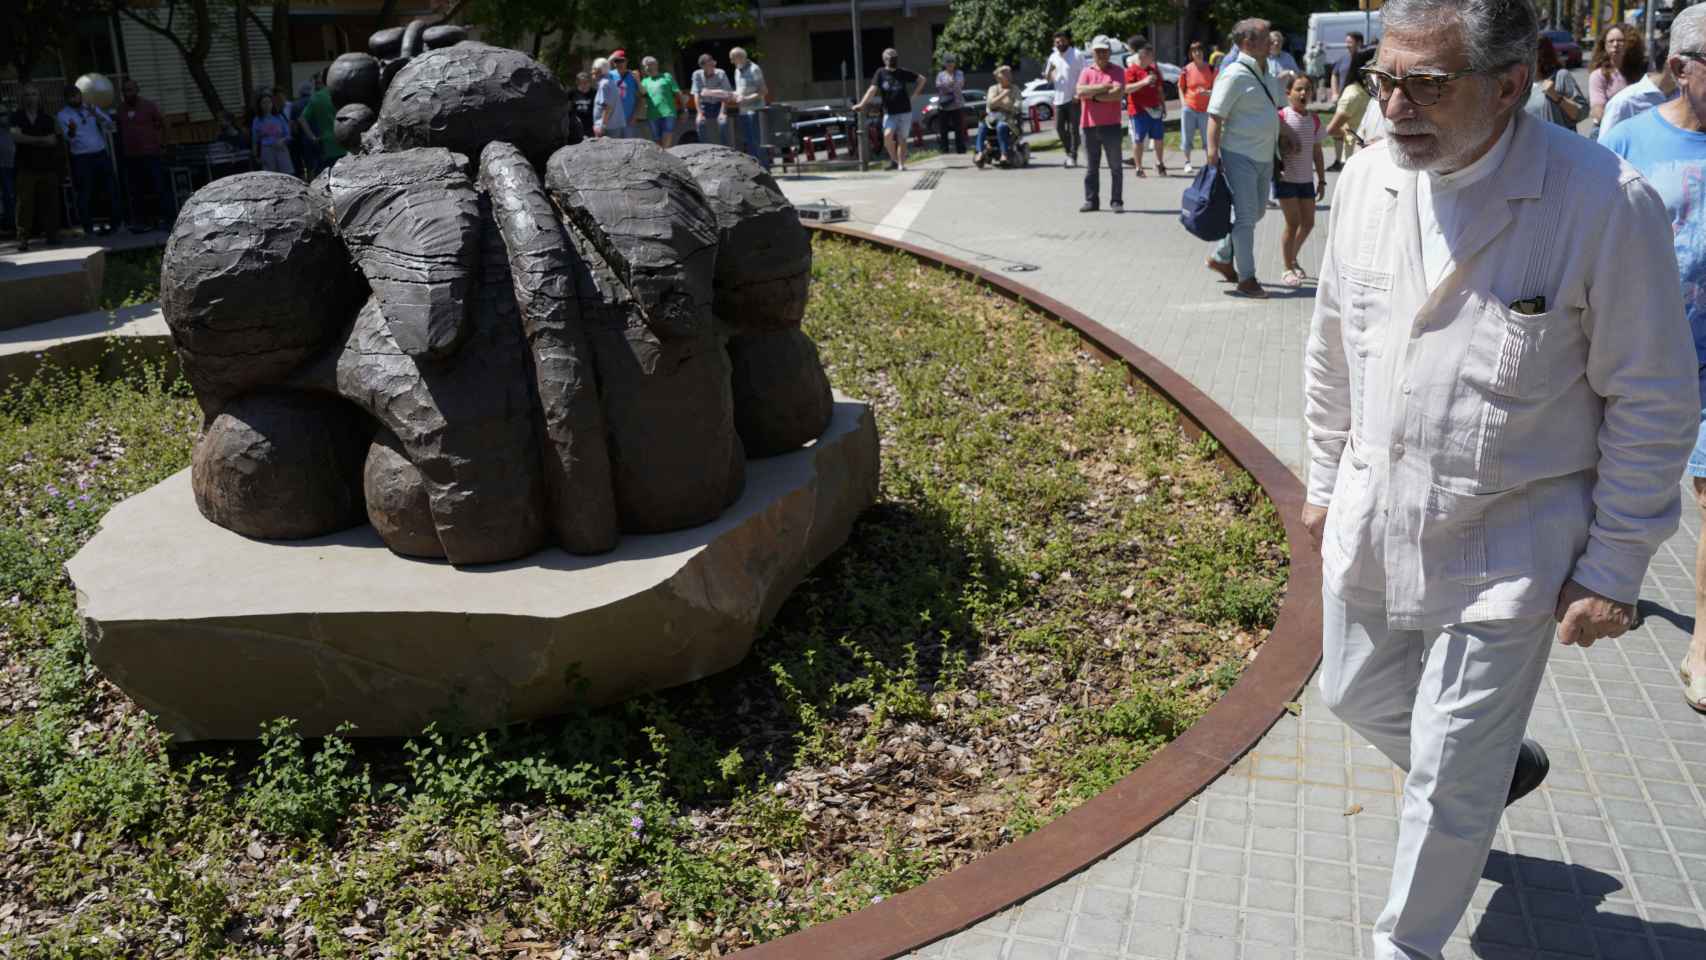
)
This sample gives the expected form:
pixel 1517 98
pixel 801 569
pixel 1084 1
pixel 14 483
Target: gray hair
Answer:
pixel 1688 32
pixel 1245 31
pixel 890 53
pixel 1496 33
pixel 649 62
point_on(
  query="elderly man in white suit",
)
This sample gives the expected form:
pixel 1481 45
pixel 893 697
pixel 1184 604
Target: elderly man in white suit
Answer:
pixel 1500 395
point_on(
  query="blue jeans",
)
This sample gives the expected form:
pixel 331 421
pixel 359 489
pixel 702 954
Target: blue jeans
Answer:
pixel 1003 137
pixel 749 139
pixel 1193 127
pixel 1249 181
pixel 87 171
pixel 662 126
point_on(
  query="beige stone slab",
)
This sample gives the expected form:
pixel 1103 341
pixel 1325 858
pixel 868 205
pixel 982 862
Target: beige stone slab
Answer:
pixel 84 340
pixel 49 283
pixel 216 633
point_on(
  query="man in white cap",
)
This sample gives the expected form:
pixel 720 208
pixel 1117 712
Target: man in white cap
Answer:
pixel 1101 91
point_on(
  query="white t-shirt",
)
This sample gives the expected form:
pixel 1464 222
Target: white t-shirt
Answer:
pixel 1636 98
pixel 1373 125
pixel 1067 67
pixel 1443 215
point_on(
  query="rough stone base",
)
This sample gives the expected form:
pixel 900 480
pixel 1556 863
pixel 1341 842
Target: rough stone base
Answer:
pixel 216 633
pixel 50 283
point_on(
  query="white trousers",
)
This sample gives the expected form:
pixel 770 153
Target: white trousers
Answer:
pixel 1449 707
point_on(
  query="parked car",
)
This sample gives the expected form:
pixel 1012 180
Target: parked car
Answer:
pixel 1038 93
pixel 976 106
pixel 1569 51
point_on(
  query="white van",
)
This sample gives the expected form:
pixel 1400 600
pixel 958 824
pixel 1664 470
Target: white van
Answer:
pixel 1329 29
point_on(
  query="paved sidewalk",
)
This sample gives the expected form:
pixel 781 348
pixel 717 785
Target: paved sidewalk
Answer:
pixel 1288 855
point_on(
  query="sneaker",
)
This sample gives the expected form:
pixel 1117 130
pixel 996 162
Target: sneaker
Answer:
pixel 1224 269
pixel 1532 765
pixel 1336 166
pixel 1189 169
pixel 892 166
pixel 1251 288
pixel 1117 207
pixel 1088 207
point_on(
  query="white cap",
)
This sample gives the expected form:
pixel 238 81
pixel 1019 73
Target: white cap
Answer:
pixel 1101 43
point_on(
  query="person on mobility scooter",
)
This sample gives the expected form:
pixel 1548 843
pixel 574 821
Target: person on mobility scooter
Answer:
pixel 1002 120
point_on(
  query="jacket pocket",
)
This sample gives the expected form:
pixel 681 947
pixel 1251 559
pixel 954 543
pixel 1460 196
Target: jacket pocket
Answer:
pixel 1507 352
pixel 1350 516
pixel 1476 537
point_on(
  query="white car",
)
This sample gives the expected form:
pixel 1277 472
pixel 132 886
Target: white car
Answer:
pixel 1039 93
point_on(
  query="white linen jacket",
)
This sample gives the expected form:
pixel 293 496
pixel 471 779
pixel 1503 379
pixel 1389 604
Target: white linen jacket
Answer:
pixel 1473 457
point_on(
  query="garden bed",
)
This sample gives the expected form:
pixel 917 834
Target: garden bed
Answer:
pixel 1054 582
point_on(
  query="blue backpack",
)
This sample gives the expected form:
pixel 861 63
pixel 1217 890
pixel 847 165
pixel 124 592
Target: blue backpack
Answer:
pixel 1206 210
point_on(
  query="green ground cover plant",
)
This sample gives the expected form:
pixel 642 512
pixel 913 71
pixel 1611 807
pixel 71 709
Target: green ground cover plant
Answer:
pixel 1053 584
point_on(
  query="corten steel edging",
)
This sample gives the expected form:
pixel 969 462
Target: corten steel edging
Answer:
pixel 1176 773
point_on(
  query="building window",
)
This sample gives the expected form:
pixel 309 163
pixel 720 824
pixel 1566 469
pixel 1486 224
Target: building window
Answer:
pixel 832 48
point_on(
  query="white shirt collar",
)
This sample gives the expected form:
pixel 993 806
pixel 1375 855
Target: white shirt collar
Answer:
pixel 1480 169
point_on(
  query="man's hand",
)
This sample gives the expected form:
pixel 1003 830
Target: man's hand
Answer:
pixel 1584 616
pixel 1315 521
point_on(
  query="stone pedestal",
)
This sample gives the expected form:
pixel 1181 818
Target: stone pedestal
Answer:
pixel 216 633
pixel 50 283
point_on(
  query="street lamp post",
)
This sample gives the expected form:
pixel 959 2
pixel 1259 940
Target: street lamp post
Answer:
pixel 858 78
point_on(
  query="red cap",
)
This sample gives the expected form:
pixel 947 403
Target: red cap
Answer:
pixel 618 55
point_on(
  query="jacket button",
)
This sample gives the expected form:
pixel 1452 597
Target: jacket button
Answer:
pixel 1397 451
pixel 1405 388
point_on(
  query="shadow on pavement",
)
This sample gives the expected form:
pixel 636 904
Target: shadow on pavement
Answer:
pixel 1559 909
pixel 1647 608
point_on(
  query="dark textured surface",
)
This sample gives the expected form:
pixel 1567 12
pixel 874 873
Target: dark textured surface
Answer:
pixel 252 283
pixel 764 256
pixel 467 424
pixel 468 95
pixel 582 504
pixel 354 78
pixel 782 397
pixel 351 122
pixel 640 207
pixel 386 43
pixel 412 222
pixel 282 466
pixel 397 502
pixel 444 35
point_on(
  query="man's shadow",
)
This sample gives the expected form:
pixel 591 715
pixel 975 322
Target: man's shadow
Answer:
pixel 1559 909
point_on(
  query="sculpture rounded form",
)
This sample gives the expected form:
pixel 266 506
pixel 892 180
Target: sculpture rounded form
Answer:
pixel 764 255
pixel 354 78
pixel 282 466
pixel 464 96
pixel 782 397
pixel 352 121
pixel 253 283
pixel 397 502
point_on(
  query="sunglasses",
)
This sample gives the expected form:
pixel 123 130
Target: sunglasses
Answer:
pixel 1421 89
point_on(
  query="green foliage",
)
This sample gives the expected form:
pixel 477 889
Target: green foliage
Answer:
pixel 132 278
pixel 297 795
pixel 558 32
pixel 1001 31
pixel 1119 19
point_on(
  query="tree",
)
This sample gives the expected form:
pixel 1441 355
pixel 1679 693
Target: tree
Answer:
pixel 31 29
pixel 643 26
pixel 191 35
pixel 1119 18
pixel 1002 31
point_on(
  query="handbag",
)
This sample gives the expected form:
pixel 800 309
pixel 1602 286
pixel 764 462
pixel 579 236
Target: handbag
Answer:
pixel 1206 208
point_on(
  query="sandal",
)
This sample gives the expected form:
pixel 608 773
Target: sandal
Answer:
pixel 1161 168
pixel 1693 689
pixel 1292 278
pixel 1138 172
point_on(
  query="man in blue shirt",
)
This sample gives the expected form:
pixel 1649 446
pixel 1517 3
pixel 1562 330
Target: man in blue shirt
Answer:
pixel 1668 145
pixel 610 114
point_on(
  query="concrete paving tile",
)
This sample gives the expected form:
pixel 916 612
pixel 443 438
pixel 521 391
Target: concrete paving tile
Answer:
pixel 1033 950
pixel 1148 941
pixel 1097 933
pixel 1042 924
pixel 976 946
pixel 1198 947
pixel 1157 911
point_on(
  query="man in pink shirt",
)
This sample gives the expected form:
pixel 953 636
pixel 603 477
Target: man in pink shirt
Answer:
pixel 1101 90
pixel 142 132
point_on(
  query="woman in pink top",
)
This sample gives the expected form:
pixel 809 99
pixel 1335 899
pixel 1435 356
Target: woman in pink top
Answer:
pixel 1619 59
pixel 1292 185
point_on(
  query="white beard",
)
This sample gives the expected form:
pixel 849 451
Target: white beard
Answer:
pixel 1444 154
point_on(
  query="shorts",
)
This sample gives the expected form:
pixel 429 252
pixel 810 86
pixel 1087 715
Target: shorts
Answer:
pixel 1286 190
pixel 662 126
pixel 900 123
pixel 1146 127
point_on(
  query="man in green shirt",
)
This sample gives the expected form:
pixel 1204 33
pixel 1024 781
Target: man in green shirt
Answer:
pixel 321 118
pixel 661 94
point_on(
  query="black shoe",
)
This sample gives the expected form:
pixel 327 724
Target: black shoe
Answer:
pixel 1088 207
pixel 1532 766
pixel 23 246
pixel 1117 207
pixel 1336 167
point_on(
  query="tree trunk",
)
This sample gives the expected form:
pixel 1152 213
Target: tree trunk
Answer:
pixel 279 39
pixel 245 63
